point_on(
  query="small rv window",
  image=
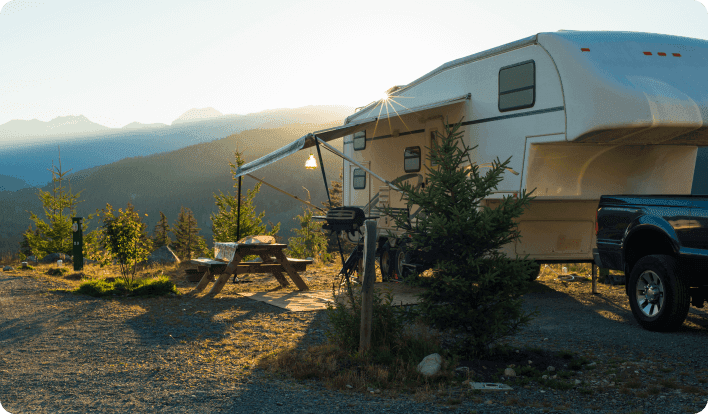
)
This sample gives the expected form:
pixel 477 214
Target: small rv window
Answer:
pixel 359 179
pixel 517 86
pixel 360 140
pixel 435 142
pixel 411 159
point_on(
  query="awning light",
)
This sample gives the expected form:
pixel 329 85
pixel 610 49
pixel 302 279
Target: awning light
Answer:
pixel 311 164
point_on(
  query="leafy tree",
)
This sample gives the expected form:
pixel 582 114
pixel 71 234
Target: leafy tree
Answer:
pixel 54 235
pixel 161 236
pixel 225 221
pixel 125 239
pixel 474 288
pixel 310 241
pixel 187 236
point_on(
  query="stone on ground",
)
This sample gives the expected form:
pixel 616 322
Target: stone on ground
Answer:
pixel 430 365
pixel 53 257
pixel 8 268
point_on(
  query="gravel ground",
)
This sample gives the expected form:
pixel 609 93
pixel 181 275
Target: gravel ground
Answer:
pixel 61 353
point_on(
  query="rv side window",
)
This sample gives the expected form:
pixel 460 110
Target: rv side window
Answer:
pixel 359 140
pixel 411 159
pixel 359 179
pixel 435 142
pixel 517 86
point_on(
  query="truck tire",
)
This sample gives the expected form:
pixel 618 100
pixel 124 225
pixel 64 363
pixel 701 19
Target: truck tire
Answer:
pixel 658 297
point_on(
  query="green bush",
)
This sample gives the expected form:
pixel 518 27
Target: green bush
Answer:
pixel 475 291
pixel 387 322
pixel 120 287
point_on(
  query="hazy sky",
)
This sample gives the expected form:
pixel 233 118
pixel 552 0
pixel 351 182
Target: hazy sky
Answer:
pixel 149 61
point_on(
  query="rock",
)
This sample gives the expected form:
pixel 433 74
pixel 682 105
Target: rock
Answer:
pixel 462 371
pixel 551 368
pixel 163 255
pixel 53 257
pixel 430 365
pixel 509 372
pixel 257 240
pixel 544 377
pixel 592 364
pixel 8 268
pixel 32 259
pixel 577 382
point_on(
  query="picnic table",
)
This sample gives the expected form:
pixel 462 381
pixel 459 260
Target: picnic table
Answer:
pixel 228 260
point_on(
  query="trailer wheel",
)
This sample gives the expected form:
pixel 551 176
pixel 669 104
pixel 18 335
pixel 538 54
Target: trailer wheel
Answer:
pixel 386 262
pixel 658 297
pixel 403 255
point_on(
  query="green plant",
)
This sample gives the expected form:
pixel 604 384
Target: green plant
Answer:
pixel 310 240
pixel 161 235
pixel 475 290
pixel 54 236
pixel 142 287
pixel 224 223
pixel 387 322
pixel 188 241
pixel 124 239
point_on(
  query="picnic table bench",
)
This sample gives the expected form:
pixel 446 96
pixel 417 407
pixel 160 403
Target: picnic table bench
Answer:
pixel 229 261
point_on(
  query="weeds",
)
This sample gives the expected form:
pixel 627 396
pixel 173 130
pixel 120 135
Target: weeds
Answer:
pixel 120 287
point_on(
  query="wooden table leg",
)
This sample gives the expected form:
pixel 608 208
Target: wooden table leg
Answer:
pixel 280 257
pixel 276 273
pixel 220 283
pixel 203 283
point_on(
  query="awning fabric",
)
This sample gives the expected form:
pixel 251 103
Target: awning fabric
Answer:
pixel 329 134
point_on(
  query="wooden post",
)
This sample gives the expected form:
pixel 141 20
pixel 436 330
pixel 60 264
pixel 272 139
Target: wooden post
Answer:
pixel 367 288
pixel 594 279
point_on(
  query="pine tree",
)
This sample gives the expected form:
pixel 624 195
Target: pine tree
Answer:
pixel 310 240
pixel 188 242
pixel 54 236
pixel 161 235
pixel 125 239
pixel 474 287
pixel 224 223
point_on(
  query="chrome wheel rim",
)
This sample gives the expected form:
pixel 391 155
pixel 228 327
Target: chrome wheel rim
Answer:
pixel 650 293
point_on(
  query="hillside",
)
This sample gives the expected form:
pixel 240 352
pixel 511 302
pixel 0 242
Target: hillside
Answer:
pixel 186 177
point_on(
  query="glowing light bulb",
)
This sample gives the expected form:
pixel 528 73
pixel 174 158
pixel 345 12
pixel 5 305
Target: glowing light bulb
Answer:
pixel 311 164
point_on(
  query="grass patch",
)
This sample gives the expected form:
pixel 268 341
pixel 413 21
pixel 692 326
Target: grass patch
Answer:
pixel 159 286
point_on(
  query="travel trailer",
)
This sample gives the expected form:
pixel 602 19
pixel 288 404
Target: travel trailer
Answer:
pixel 582 114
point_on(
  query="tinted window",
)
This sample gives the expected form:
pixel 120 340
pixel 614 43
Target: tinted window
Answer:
pixel 360 140
pixel 359 179
pixel 411 159
pixel 517 86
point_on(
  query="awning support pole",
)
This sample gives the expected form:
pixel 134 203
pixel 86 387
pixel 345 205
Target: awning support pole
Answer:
pixel 324 177
pixel 238 214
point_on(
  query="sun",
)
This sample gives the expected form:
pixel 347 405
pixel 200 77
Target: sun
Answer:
pixel 385 97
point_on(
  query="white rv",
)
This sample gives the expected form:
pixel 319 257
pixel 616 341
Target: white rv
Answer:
pixel 582 114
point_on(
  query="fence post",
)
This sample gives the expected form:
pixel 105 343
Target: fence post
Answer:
pixel 367 288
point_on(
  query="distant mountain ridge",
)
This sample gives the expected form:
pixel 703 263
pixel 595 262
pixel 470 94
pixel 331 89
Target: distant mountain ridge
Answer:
pixel 61 125
pixel 197 114
pixel 138 125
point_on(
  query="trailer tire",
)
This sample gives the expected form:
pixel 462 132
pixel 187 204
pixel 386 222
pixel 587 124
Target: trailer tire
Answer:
pixel 386 262
pixel 658 297
pixel 403 254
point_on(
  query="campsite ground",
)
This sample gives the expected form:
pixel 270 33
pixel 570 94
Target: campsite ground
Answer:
pixel 61 352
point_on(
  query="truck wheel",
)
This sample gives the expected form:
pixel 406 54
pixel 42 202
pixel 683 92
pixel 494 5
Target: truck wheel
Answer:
pixel 386 262
pixel 658 297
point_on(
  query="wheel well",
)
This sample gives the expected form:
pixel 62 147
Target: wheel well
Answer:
pixel 643 243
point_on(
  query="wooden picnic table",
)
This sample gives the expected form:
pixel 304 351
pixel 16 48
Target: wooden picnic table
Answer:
pixel 229 261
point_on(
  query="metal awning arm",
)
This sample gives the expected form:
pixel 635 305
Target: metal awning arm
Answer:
pixel 355 163
pixel 286 193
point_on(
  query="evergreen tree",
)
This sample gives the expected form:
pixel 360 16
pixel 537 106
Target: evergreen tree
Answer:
pixel 160 234
pixel 474 288
pixel 310 240
pixel 54 236
pixel 125 239
pixel 188 242
pixel 224 223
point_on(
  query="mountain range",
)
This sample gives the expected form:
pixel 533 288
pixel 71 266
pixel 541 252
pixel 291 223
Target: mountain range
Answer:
pixel 189 177
pixel 24 163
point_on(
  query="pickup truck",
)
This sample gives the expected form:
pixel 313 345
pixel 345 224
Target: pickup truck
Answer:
pixel 661 244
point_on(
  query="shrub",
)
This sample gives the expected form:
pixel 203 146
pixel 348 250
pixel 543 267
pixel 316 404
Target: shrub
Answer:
pixel 475 290
pixel 120 287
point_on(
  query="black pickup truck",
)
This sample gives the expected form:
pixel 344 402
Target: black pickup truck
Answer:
pixel 661 244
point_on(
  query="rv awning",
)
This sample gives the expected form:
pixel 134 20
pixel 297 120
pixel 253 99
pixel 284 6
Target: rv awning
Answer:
pixel 308 140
